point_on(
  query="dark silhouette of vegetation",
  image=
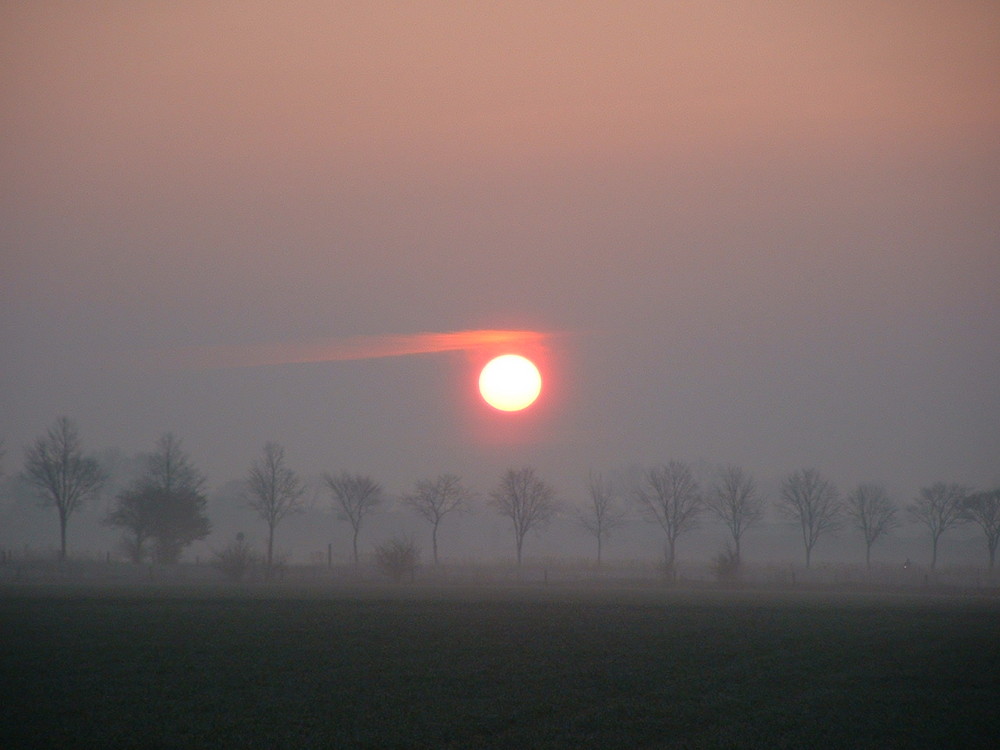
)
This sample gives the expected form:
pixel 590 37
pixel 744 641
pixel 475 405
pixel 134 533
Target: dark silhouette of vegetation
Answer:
pixel 354 497
pixel 939 508
pixel 726 565
pixel 165 505
pixel 526 500
pixel 274 491
pixel 135 511
pixel 670 496
pixel 237 560
pixel 433 499
pixel 162 509
pixel 603 514
pixel 54 465
pixel 873 514
pixel 983 509
pixel 812 501
pixel 735 499
pixel 398 558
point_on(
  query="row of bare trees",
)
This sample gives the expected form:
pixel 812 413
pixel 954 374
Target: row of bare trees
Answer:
pixel 520 496
pixel 163 510
pixel 670 497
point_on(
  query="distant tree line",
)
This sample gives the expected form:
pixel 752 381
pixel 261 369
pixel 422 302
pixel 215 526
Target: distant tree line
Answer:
pixel 163 510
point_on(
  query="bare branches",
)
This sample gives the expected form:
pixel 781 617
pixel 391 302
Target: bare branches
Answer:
pixel 603 514
pixel 813 502
pixel 274 491
pixel 872 513
pixel 983 508
pixel 526 500
pixel 939 507
pixel 435 498
pixel 354 496
pixel 63 477
pixel 735 499
pixel 168 467
pixel 669 496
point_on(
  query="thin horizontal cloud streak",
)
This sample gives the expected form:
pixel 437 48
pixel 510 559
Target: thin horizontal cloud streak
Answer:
pixel 335 349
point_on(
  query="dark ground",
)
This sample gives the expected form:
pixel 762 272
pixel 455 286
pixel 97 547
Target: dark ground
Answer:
pixel 511 667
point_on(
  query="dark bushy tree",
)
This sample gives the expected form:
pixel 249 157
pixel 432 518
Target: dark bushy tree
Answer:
pixel 134 511
pixel 54 465
pixel 164 506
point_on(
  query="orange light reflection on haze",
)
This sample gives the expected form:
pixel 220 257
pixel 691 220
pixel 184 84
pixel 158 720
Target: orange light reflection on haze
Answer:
pixel 479 342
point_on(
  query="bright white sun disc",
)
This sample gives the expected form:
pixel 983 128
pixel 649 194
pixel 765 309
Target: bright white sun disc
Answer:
pixel 510 382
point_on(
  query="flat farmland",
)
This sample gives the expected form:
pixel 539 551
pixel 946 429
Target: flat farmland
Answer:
pixel 513 667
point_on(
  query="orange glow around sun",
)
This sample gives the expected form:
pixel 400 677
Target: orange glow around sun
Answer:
pixel 510 382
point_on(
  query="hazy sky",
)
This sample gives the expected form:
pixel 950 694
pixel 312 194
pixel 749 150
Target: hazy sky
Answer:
pixel 762 233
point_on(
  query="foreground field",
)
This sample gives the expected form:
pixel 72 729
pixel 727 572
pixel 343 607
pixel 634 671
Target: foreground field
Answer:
pixel 518 668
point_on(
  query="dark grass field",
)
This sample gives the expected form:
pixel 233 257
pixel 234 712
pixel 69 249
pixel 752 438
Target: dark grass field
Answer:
pixel 512 668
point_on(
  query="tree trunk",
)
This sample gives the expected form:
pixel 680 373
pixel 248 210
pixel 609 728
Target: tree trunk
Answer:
pixel 434 542
pixel 355 541
pixel 598 550
pixel 993 552
pixel 270 549
pixel 736 542
pixel 520 540
pixel 808 555
pixel 62 536
pixel 934 541
pixel 868 557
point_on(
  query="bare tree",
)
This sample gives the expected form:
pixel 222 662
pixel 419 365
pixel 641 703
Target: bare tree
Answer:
pixel 813 502
pixel 984 509
pixel 735 499
pixel 274 491
pixel 603 514
pixel 63 477
pixel 354 496
pixel 872 513
pixel 526 500
pixel 939 507
pixel 669 496
pixel 435 498
pixel 165 504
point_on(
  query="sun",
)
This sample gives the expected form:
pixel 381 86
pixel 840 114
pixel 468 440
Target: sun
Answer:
pixel 510 382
